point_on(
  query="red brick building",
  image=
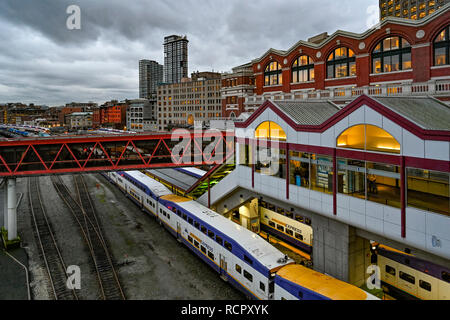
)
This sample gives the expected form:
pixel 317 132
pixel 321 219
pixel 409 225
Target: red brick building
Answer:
pixel 112 114
pixel 398 57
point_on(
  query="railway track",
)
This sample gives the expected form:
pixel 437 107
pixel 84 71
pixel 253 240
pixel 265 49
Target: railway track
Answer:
pixel 48 246
pixel 82 208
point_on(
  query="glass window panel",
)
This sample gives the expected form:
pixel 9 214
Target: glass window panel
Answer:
pixel 387 44
pixel 280 78
pixel 330 71
pixel 351 178
pixel 405 44
pixel 378 139
pixel 406 61
pixel 428 190
pixel 311 74
pixel 299 168
pixel 352 68
pixel 377 65
pixel 395 63
pixel 441 36
pixel 440 56
pixel 377 48
pixel 331 57
pixel 341 70
pixel 383 184
pixel 321 178
pixel 304 60
pixel 295 77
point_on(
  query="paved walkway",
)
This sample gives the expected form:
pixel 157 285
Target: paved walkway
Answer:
pixel 13 281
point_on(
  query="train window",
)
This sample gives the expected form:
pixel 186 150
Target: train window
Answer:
pixel 191 221
pixel 168 216
pixel 174 210
pixel 390 270
pixel 190 239
pixel 271 287
pixel 247 259
pixel 425 285
pixel 248 276
pixel 446 276
pixel 407 277
pixel 271 207
pixel 197 225
pixel 280 211
pixel 160 210
pixel 184 217
pixel 280 228
pixel 238 268
pixel 262 286
pixel 179 213
pixel 228 246
pixel 211 255
pixel 290 215
pixel 299 219
pixel 308 221
pixel 300 295
pixel 290 232
pixel 164 213
pixel 271 224
pixel 263 204
pixel 203 249
pixel 219 240
pixel 299 236
pixel 196 243
pixel 203 229
pixel 211 234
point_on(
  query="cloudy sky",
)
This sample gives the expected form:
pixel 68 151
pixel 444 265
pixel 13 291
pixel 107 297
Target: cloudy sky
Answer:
pixel 43 62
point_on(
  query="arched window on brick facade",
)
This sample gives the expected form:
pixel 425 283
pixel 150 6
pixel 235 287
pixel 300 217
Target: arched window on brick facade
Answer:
pixel 442 47
pixel 303 69
pixel 391 54
pixel 341 63
pixel 273 74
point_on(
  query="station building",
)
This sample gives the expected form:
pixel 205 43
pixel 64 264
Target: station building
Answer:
pixel 398 57
pixel 376 169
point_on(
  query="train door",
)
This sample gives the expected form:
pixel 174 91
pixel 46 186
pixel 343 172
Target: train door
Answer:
pixel 223 267
pixel 178 231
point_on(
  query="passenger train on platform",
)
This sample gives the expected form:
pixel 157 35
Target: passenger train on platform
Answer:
pixel 284 226
pixel 242 258
pixel 406 277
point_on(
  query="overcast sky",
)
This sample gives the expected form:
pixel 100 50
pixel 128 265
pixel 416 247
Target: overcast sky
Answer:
pixel 43 62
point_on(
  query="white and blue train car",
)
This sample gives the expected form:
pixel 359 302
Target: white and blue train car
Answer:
pixel 238 255
pixel 241 257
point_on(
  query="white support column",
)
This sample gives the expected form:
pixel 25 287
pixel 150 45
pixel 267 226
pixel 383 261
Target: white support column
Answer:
pixel 12 209
pixel 5 204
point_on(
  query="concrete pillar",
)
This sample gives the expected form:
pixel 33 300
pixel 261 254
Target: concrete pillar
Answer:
pixel 330 247
pixel 12 209
pixel 359 259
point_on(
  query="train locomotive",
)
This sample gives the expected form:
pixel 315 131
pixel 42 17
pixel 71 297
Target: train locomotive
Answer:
pixel 239 256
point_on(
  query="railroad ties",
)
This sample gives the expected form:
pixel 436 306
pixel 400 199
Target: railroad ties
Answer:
pixel 48 246
pixel 83 210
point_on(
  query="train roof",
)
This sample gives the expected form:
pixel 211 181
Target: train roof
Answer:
pixel 265 253
pixel 156 187
pixel 197 173
pixel 325 285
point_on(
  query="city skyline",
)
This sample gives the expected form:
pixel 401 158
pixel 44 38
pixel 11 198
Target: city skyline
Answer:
pixel 45 63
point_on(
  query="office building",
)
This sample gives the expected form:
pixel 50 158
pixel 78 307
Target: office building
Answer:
pixel 175 58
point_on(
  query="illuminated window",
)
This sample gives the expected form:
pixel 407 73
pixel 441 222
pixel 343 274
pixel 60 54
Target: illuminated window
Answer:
pixel 303 70
pixel 270 131
pixel 273 74
pixel 341 63
pixel 368 137
pixel 391 54
pixel 441 47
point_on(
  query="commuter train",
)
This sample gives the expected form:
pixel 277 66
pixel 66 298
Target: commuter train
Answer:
pixel 297 233
pixel 404 276
pixel 242 258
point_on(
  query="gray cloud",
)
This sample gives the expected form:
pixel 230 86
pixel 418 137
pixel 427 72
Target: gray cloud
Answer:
pixel 41 61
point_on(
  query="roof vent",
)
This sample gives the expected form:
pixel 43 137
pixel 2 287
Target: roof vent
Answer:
pixel 319 38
